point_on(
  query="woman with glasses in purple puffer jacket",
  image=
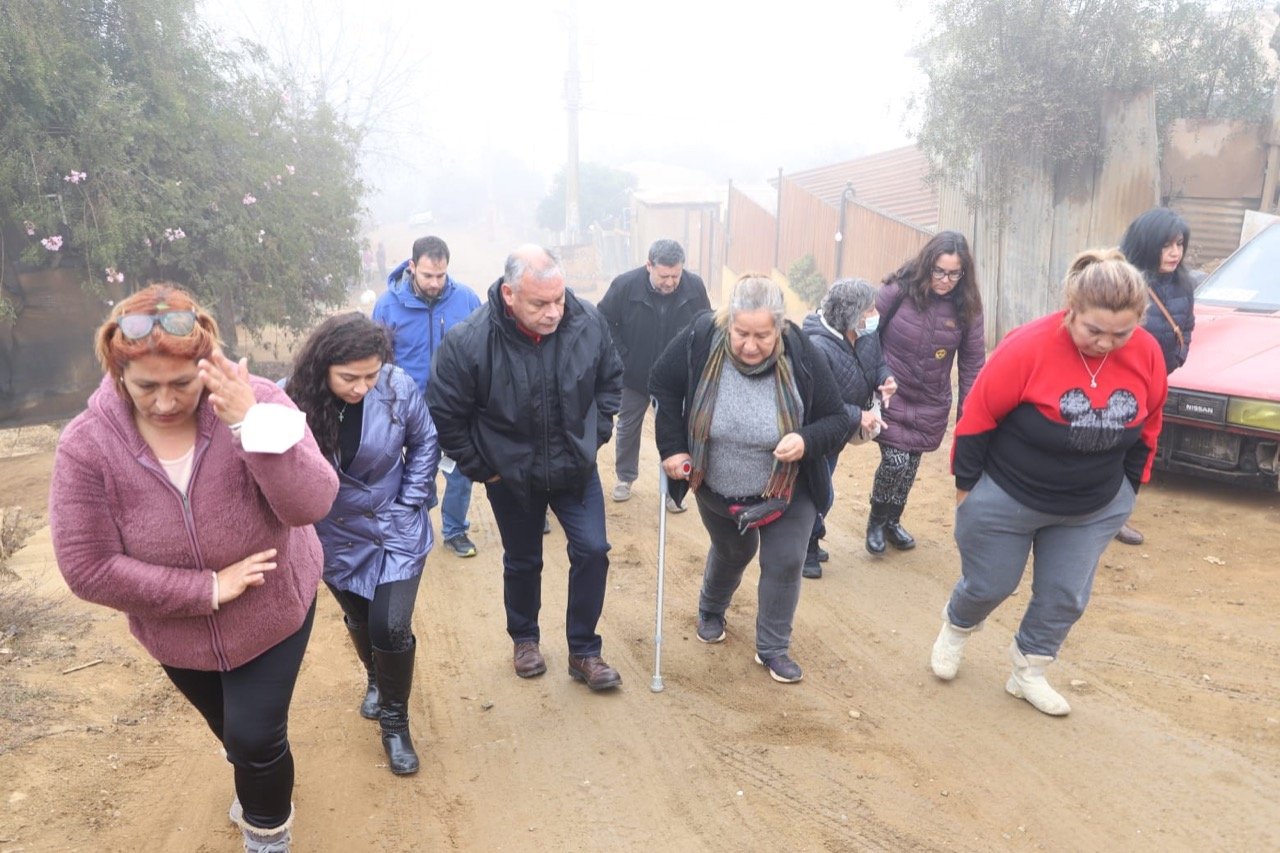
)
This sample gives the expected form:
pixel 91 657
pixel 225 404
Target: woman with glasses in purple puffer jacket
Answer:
pixel 184 496
pixel 930 318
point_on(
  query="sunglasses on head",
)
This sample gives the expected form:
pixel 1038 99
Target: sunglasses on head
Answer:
pixel 177 323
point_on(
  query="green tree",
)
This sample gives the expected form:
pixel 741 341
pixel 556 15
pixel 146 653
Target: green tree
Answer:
pixel 1007 77
pixel 132 147
pixel 603 192
pixel 806 282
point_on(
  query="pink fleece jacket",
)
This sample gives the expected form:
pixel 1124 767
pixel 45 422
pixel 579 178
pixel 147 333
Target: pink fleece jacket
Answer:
pixel 126 538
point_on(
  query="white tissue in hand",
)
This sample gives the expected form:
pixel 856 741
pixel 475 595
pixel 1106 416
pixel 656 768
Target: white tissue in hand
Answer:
pixel 272 428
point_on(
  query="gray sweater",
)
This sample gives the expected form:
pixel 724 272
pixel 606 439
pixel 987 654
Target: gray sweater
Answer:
pixel 744 432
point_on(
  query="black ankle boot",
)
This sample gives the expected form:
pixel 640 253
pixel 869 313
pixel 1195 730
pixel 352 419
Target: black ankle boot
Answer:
pixel 875 527
pixel 395 679
pixel 364 650
pixel 894 531
pixel 812 564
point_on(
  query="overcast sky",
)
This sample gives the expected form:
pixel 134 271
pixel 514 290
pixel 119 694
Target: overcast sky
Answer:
pixel 704 85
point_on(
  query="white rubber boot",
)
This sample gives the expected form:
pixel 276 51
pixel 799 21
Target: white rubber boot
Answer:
pixel 948 649
pixel 1028 682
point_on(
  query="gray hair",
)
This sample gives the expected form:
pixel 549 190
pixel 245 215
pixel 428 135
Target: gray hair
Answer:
pixel 845 303
pixel 539 261
pixel 666 253
pixel 752 293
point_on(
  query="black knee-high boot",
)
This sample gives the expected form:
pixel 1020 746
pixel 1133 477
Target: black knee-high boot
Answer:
pixel 395 680
pixel 364 650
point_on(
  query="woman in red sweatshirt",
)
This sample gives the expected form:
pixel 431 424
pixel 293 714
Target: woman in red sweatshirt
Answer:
pixel 1057 435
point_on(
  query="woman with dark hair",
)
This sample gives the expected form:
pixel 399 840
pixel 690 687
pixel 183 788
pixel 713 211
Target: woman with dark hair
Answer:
pixel 930 317
pixel 747 413
pixel 843 329
pixel 1156 243
pixel 1058 434
pixel 372 424
pixel 184 496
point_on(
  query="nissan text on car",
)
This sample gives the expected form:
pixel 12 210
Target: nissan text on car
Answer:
pixel 1222 419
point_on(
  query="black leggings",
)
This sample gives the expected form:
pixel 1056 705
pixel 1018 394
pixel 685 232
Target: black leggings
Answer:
pixel 389 616
pixel 248 710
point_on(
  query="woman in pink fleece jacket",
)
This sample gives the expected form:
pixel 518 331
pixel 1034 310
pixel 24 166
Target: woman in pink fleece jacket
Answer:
pixel 184 496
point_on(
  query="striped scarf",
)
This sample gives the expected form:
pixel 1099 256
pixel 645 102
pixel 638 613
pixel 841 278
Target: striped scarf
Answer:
pixel 782 479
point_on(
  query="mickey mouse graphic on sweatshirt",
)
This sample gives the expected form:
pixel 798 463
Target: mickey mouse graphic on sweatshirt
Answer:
pixel 1039 428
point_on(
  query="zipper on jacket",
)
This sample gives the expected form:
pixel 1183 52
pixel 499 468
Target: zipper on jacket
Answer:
pixel 189 523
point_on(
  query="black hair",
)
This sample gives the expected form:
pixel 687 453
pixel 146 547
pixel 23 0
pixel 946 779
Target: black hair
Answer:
pixel 340 339
pixel 433 247
pixel 1144 241
pixel 915 277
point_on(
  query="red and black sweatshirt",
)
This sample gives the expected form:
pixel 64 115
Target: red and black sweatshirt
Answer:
pixel 1035 426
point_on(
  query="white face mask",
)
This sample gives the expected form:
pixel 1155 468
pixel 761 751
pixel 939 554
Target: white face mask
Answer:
pixel 870 325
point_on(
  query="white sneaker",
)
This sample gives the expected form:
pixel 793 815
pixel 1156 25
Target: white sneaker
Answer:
pixel 622 491
pixel 672 506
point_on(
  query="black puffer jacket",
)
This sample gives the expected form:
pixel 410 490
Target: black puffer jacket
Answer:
pixel 643 322
pixel 859 369
pixel 535 414
pixel 1177 293
pixel 675 377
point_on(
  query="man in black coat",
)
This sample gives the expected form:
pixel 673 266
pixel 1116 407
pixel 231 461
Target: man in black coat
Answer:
pixel 523 393
pixel 645 308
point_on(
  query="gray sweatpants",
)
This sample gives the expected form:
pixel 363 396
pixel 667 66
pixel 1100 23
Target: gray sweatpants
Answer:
pixel 782 547
pixel 626 439
pixel 995 533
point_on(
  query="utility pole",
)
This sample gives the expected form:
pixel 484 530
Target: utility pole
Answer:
pixel 573 101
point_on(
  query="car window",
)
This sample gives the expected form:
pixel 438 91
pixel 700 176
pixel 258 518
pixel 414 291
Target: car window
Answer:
pixel 1249 278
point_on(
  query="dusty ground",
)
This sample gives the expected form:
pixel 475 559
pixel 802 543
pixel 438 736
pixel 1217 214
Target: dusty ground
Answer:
pixel 1173 742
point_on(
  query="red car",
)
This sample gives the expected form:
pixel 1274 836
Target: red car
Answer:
pixel 1222 420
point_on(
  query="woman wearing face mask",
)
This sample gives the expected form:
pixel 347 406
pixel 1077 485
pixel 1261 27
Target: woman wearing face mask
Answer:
pixel 747 413
pixel 1156 243
pixel 844 330
pixel 1058 434
pixel 372 424
pixel 930 318
pixel 184 496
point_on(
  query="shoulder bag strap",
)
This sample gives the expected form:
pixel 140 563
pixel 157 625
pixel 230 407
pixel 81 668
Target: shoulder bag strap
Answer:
pixel 1177 331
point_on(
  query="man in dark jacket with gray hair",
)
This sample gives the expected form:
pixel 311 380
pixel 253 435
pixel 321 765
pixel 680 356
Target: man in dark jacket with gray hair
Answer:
pixel 645 308
pixel 523 393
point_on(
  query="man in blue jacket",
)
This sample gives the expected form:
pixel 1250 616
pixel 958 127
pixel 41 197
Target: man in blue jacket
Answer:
pixel 423 302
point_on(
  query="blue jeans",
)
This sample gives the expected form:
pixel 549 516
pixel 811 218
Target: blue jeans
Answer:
pixel 457 500
pixel 581 515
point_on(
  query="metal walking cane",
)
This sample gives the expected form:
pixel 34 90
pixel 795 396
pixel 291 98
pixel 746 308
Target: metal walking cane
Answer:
pixel 656 685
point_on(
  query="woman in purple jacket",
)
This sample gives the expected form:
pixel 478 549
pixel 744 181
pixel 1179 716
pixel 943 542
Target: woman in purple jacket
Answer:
pixel 370 420
pixel 184 496
pixel 930 317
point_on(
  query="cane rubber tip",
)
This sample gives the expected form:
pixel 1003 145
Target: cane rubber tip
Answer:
pixel 656 685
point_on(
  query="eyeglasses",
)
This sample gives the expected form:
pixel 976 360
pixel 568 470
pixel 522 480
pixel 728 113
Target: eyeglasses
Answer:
pixel 951 275
pixel 177 323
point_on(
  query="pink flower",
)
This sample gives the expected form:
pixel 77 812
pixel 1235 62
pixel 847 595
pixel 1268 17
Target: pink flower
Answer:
pixel 52 243
pixel 288 168
pixel 249 199
pixel 146 241
pixel 316 193
pixel 75 177
pixel 172 234
pixel 113 276
pixel 30 227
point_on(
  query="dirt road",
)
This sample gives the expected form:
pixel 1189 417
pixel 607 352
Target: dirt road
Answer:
pixel 1173 742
